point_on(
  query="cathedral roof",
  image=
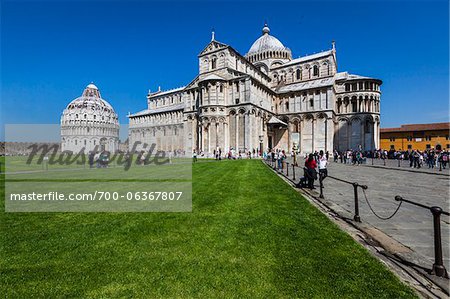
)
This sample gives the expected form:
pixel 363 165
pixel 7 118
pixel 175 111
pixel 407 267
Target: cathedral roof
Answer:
pixel 169 91
pixel 159 110
pixel 212 77
pixel 276 121
pixel 306 85
pixel 347 76
pixel 315 56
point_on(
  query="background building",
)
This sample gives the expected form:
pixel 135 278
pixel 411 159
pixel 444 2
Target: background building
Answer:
pixel 418 136
pixel 265 99
pixel 89 121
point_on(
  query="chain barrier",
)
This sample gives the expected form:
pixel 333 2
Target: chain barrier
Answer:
pixel 381 217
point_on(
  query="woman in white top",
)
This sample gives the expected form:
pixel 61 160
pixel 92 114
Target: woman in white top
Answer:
pixel 323 162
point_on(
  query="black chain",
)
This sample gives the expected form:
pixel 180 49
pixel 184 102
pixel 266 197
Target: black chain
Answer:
pixel 382 218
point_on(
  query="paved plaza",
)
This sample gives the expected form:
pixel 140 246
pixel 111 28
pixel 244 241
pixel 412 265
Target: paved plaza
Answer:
pixel 412 226
pixel 405 165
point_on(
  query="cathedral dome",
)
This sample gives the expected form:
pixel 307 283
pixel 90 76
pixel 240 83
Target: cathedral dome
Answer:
pixel 266 42
pixel 267 47
pixel 91 102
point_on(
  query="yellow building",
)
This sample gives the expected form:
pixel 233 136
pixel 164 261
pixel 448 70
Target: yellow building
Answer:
pixel 416 137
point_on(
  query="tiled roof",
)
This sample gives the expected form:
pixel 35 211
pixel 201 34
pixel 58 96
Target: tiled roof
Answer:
pixel 158 110
pixel 347 76
pixel 307 58
pixel 160 93
pixel 418 127
pixel 306 85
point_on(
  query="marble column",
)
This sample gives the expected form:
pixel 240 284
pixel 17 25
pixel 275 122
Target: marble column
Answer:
pixel 226 136
pixel 247 131
pixel 237 132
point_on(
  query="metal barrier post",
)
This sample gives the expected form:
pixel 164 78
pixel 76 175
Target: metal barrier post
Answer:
pixel 355 191
pixel 438 266
pixel 287 169
pixel 293 172
pixel 398 162
pixel 321 185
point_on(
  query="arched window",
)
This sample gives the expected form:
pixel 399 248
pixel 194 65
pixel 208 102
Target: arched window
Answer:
pixel 298 74
pixel 221 88
pixel 354 106
pixel 295 126
pixel 315 70
pixel 287 106
pixel 213 63
pixel 347 87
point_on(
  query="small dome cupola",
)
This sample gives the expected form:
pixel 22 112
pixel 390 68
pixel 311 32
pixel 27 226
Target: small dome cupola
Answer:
pixel 266 29
pixel 91 91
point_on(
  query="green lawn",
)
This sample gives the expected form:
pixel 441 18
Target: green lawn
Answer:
pixel 249 236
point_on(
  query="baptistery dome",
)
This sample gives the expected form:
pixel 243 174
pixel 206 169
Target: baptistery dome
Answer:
pixel 268 47
pixel 89 123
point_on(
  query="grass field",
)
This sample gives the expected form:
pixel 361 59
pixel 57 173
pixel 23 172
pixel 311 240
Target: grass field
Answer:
pixel 249 236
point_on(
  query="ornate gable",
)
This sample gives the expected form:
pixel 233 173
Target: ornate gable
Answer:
pixel 213 46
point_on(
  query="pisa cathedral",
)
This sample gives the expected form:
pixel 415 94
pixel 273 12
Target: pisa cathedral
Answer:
pixel 265 99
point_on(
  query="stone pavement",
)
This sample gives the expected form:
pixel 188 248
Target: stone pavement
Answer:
pixel 412 226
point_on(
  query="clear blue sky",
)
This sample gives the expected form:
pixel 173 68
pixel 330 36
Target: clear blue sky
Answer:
pixel 51 50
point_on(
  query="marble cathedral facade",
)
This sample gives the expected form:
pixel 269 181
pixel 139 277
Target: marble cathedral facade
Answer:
pixel 265 99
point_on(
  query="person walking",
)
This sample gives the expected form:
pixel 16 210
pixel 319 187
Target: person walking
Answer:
pixel 194 156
